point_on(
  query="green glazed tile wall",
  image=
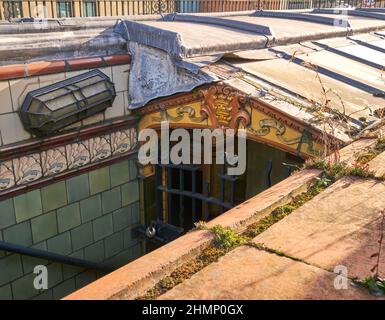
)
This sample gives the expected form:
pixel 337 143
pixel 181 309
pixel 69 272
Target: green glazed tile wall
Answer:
pixel 90 216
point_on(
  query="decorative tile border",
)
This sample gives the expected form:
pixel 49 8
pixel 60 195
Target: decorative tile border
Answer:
pixel 27 169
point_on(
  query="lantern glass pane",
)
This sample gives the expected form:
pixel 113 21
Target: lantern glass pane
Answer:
pixel 48 109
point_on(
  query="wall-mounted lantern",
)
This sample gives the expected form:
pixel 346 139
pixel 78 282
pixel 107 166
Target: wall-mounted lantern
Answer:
pixel 48 109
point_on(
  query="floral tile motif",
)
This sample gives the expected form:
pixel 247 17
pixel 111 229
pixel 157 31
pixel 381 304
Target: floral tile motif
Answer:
pixel 134 138
pixel 7 179
pixel 48 163
pixel 121 141
pixel 78 154
pixel 54 161
pixel 28 168
pixel 100 148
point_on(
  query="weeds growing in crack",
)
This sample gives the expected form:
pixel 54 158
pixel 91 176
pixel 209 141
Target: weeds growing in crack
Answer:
pixel 337 170
pixel 261 246
pixel 186 271
pixel 226 238
pixel 281 212
pixel 376 286
pixel 201 225
pixel 360 167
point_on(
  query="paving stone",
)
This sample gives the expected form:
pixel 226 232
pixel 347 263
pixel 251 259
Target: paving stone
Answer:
pixel 350 152
pixel 78 188
pixel 119 173
pixel 19 234
pixel 91 208
pixel 130 192
pixel 113 244
pixel 7 213
pixel 102 227
pixel 340 226
pixel 64 288
pixel 82 236
pixel 54 196
pixel 60 244
pixel 6 292
pixel 95 252
pixel 111 200
pixel 122 218
pixel 23 288
pixel 377 166
pixel 99 180
pixel 27 205
pixel 248 273
pixel 11 268
pixel 68 217
pixel 44 226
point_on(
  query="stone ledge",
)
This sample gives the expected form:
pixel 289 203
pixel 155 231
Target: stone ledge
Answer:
pixel 135 278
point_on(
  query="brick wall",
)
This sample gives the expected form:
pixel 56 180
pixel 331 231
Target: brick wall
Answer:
pixel 89 216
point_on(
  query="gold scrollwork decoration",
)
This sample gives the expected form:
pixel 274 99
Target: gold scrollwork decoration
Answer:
pixel 180 111
pixel 267 124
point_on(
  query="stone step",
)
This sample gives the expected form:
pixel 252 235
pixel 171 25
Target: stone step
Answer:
pixel 377 166
pixel 249 273
pixel 340 226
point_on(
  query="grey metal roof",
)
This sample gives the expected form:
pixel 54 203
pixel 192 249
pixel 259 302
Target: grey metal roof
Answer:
pixel 189 35
pixel 316 56
pixel 294 59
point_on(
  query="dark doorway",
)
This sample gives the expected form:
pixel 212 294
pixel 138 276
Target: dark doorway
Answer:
pixel 184 209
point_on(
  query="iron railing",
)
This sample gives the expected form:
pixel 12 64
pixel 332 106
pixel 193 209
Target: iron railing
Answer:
pixel 10 9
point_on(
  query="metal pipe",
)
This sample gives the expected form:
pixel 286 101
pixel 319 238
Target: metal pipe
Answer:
pixel 37 253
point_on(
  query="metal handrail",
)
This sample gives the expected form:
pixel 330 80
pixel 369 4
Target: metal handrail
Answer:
pixel 37 253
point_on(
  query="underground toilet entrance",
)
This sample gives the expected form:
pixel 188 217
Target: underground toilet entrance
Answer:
pixel 176 197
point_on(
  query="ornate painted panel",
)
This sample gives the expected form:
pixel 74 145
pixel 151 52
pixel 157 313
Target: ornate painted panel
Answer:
pixel 221 106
